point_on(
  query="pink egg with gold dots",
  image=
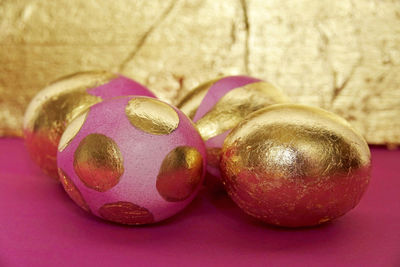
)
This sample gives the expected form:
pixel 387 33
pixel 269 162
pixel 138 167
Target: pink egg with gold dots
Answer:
pixel 217 106
pixel 132 160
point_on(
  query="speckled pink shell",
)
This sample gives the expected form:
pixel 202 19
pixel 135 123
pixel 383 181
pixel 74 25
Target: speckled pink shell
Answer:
pixel 143 154
pixel 216 91
pixel 120 86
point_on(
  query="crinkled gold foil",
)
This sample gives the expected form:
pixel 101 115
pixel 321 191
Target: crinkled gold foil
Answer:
pixel 340 55
pixel 237 104
pixel 98 162
pixel 52 109
pixel 152 116
pixel 72 191
pixel 295 165
pixel 180 173
pixel 126 213
pixel 191 102
pixel 72 130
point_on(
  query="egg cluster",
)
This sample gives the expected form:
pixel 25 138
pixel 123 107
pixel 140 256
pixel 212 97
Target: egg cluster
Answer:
pixel 127 157
pixel 219 105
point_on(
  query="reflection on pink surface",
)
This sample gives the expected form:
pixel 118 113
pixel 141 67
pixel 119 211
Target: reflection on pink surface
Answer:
pixel 41 226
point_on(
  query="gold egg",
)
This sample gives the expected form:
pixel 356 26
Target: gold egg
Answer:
pixel 293 165
pixel 50 111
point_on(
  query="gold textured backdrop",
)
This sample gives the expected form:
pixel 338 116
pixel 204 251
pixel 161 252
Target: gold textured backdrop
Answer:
pixel 340 55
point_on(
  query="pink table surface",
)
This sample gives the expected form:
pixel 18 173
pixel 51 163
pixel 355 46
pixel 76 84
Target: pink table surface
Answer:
pixel 41 226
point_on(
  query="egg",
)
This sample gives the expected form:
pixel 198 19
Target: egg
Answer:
pixel 219 105
pixel 51 110
pixel 293 165
pixel 132 160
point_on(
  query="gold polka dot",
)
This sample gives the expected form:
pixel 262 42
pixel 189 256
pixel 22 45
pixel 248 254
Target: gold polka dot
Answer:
pixel 98 162
pixel 152 116
pixel 180 174
pixel 126 213
pixel 72 191
pixel 72 130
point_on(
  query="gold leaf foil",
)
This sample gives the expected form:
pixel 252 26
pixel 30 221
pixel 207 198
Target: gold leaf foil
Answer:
pixel 98 162
pixel 52 109
pixel 293 165
pixel 180 173
pixel 152 116
pixel 191 102
pixel 126 213
pixel 72 191
pixel 339 55
pixel 237 104
pixel 72 130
